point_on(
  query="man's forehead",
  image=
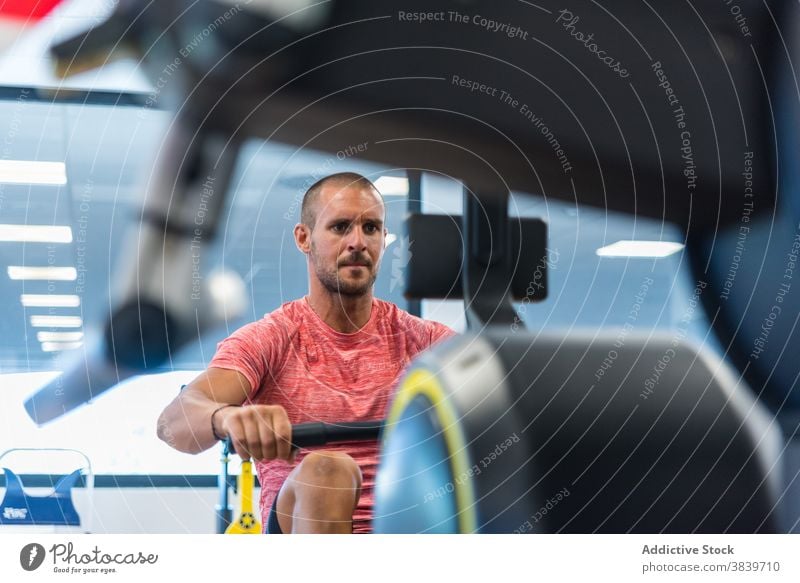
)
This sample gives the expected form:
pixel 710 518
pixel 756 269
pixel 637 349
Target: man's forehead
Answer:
pixel 350 198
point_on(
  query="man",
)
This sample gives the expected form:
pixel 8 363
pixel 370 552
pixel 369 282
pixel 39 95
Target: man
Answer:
pixel 334 355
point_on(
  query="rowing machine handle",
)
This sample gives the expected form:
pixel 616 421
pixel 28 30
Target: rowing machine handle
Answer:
pixel 315 434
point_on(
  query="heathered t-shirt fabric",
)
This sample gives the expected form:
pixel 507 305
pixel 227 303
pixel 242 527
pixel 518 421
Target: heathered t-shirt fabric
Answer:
pixel 292 358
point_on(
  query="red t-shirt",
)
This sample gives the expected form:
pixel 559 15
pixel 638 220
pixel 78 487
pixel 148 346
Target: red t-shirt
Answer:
pixel 292 358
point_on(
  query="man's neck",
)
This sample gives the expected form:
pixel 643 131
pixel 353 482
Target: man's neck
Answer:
pixel 345 314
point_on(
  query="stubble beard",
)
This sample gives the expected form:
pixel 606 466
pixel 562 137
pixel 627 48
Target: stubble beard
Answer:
pixel 329 278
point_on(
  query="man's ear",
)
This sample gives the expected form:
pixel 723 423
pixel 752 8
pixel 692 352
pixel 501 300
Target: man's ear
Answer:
pixel 302 238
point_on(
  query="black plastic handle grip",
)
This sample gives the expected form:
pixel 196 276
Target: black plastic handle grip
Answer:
pixel 311 434
pixel 315 434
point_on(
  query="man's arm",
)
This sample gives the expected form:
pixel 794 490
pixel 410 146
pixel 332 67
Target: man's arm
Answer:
pixel 258 431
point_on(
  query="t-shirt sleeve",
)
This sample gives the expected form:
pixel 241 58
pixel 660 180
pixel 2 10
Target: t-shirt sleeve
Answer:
pixel 253 350
pixel 440 332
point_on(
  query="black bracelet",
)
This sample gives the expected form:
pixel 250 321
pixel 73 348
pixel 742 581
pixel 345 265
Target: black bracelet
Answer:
pixel 216 435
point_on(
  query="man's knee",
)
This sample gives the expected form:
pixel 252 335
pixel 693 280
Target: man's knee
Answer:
pixel 320 494
pixel 325 467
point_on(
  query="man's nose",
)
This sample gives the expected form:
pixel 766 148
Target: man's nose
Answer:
pixel 356 240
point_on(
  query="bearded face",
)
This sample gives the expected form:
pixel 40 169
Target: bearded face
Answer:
pixel 353 275
pixel 347 240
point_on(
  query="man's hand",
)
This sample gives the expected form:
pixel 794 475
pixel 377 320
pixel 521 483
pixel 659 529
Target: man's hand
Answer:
pixel 261 432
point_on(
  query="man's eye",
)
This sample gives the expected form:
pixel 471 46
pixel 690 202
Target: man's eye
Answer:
pixel 340 227
pixel 371 228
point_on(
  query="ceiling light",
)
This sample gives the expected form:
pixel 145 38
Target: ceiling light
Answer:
pixel 227 291
pixel 639 249
pixel 50 301
pixel 32 172
pixel 59 346
pixel 56 321
pixel 392 185
pixel 35 234
pixel 42 273
pixel 44 336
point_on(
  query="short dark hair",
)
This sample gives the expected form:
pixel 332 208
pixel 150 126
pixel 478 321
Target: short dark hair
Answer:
pixel 308 214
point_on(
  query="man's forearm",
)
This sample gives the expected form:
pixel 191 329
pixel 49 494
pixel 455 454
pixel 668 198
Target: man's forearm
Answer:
pixel 186 423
